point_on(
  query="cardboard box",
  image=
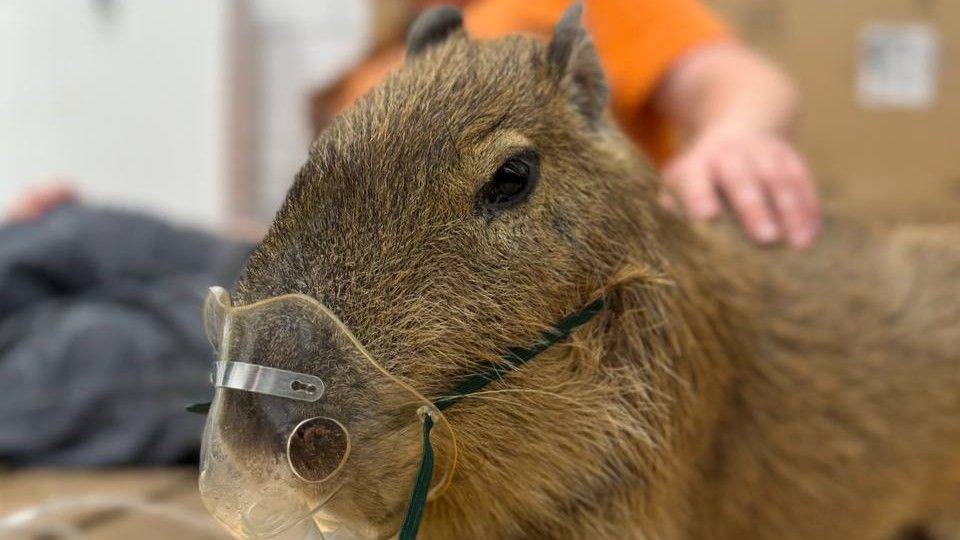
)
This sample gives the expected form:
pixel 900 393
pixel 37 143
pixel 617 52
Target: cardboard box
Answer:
pixel 880 81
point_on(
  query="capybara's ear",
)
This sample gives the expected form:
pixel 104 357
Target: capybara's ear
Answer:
pixel 572 53
pixel 431 27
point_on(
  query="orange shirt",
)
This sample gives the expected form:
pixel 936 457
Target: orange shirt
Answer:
pixel 637 40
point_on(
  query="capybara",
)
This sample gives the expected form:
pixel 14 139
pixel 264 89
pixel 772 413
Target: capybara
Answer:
pixel 481 193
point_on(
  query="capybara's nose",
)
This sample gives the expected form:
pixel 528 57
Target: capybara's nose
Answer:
pixel 318 448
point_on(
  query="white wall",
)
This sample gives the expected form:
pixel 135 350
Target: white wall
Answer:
pixel 127 98
pixel 301 45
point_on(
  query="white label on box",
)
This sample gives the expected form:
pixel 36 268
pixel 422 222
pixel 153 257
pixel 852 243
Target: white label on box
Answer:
pixel 899 65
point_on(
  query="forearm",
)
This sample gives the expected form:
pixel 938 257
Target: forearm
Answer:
pixel 725 86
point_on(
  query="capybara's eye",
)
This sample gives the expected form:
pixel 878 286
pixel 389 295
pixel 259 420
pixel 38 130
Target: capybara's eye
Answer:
pixel 510 185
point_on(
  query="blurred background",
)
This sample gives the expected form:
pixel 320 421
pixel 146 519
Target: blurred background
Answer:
pixel 201 113
pixel 880 90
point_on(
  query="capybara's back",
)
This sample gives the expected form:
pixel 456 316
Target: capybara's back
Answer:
pixel 481 194
pixel 847 424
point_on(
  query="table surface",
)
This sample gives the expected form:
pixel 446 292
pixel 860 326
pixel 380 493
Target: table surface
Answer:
pixel 166 490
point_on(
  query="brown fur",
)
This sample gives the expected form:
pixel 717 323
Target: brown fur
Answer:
pixel 727 393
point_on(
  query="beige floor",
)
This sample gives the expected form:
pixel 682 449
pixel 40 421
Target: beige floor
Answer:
pixel 165 488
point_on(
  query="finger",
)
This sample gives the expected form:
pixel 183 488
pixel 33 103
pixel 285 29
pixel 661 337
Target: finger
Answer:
pixel 694 188
pixel 796 171
pixel 746 195
pixel 786 193
pixel 668 201
pixel 39 200
pixel 792 212
pixel 798 175
pixel 665 195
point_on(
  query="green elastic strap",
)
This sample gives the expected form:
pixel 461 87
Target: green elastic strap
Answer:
pixel 418 497
pixel 198 408
pixel 515 357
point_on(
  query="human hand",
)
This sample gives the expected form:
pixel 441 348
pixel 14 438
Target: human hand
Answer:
pixel 37 201
pixel 760 175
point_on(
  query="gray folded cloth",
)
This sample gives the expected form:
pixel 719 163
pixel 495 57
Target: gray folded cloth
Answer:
pixel 101 341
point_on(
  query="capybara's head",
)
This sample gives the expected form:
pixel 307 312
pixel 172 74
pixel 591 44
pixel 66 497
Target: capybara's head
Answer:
pixel 470 201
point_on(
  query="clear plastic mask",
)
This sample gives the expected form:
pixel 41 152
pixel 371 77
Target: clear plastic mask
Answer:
pixel 307 433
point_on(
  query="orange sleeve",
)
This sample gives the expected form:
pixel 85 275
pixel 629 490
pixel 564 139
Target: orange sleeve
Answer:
pixel 366 76
pixel 637 40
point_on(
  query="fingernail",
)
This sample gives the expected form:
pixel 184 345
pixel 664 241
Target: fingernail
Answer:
pixel 766 232
pixel 703 210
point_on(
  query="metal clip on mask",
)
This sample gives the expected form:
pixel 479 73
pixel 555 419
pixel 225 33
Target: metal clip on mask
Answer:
pixel 279 444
